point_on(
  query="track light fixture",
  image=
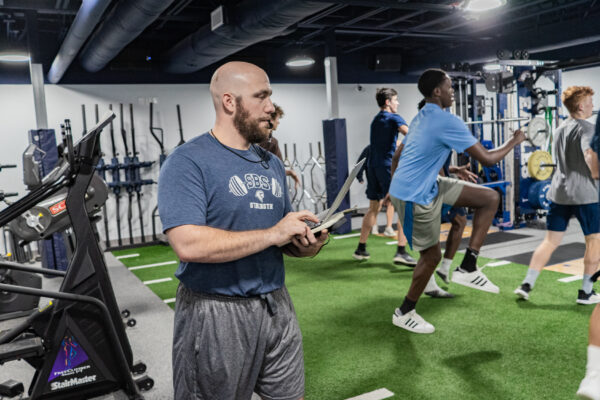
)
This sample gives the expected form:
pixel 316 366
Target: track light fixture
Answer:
pixel 300 61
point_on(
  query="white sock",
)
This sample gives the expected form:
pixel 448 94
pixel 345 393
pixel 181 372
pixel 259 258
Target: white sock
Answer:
pixel 587 285
pixel 531 277
pixel 431 285
pixel 444 267
pixel 593 358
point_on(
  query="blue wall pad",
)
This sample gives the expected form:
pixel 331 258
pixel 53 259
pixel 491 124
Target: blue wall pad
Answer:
pixel 336 164
pixel 53 250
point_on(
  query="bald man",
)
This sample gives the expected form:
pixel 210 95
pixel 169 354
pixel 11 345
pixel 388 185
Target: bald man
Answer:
pixel 224 206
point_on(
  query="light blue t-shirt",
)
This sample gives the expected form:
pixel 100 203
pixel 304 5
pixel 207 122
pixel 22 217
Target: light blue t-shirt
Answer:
pixel 432 135
pixel 203 183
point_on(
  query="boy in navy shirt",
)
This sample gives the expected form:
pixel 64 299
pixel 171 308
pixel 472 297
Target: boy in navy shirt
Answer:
pixel 384 134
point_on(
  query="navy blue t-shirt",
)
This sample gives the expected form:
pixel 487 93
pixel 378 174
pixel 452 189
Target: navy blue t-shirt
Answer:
pixel 203 183
pixel 384 133
pixel 595 142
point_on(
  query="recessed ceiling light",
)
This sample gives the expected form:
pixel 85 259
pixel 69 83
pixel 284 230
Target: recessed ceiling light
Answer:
pixel 495 67
pixel 14 57
pixel 482 5
pixel 300 61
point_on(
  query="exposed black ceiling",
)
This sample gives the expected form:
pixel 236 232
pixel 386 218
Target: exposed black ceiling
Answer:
pixel 424 33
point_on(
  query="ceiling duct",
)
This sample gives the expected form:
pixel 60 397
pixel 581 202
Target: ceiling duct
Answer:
pixel 251 22
pixel 126 21
pixel 83 25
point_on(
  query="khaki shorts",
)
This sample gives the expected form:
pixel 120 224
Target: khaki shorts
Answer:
pixel 427 218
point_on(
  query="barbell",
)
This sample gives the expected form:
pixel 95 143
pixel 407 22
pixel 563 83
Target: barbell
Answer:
pixel 537 130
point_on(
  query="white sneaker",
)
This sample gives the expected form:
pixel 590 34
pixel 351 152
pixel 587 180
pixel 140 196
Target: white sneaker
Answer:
pixel 433 290
pixel 443 276
pixel 411 321
pixel 389 231
pixel 589 388
pixel 375 230
pixel 476 280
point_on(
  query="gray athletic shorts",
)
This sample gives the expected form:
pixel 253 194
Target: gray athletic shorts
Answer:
pixel 228 347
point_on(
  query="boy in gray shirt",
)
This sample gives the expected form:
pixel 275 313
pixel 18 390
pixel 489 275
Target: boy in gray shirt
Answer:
pixel 573 191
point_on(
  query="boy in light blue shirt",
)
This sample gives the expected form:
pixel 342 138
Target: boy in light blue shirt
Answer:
pixel 417 193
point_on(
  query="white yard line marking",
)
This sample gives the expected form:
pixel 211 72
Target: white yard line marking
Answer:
pixel 571 278
pixel 347 236
pixel 157 281
pixel 391 243
pixel 374 395
pixel 154 265
pixel 127 256
pixel 169 300
pixel 497 263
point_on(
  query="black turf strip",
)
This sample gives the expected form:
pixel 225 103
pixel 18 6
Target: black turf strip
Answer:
pixel 564 253
pixel 495 238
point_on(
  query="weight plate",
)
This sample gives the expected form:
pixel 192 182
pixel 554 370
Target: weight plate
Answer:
pixel 536 159
pixel 538 131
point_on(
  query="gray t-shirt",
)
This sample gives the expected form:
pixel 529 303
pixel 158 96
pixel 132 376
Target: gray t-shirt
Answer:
pixel 572 182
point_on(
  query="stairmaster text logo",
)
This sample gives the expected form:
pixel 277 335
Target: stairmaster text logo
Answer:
pixel 72 382
pixel 260 185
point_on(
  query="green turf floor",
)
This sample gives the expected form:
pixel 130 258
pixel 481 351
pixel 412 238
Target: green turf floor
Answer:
pixel 486 346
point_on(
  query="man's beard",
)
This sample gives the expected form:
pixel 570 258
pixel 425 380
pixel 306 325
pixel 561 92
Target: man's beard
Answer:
pixel 250 129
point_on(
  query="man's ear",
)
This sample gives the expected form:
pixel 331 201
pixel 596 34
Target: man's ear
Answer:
pixel 229 104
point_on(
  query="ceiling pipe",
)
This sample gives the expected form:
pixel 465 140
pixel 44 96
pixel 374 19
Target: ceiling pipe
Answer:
pixel 83 25
pixel 401 4
pixel 251 22
pixel 534 41
pixel 125 22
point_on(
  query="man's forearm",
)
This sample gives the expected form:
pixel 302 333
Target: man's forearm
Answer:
pixel 193 243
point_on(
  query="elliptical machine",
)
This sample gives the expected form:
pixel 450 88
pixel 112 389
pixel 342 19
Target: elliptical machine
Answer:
pixel 77 344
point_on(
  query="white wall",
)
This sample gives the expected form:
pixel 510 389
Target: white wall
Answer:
pixel 305 107
pixel 584 77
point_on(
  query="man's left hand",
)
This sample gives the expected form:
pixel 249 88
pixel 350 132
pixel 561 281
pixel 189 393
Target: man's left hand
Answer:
pixel 464 173
pixel 306 245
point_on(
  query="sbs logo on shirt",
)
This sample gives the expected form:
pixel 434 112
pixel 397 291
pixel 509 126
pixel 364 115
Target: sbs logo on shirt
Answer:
pixel 276 188
pixel 237 186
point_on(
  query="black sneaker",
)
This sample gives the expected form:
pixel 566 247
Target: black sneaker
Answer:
pixel 587 298
pixel 405 259
pixel 523 291
pixel 361 254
